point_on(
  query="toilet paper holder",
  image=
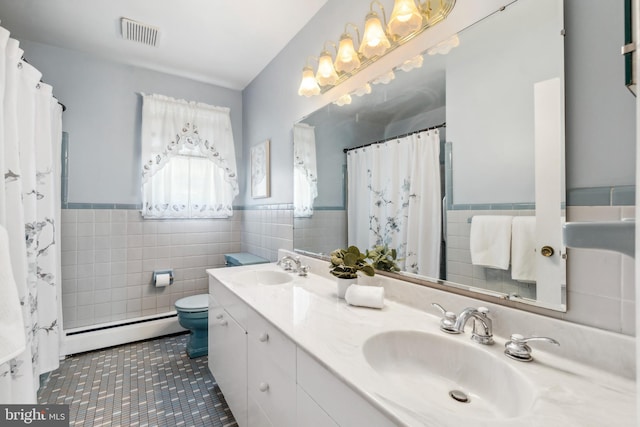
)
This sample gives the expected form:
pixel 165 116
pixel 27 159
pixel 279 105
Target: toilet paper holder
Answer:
pixel 156 273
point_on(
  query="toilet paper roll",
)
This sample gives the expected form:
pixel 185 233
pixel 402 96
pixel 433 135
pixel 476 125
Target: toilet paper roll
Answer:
pixel 163 280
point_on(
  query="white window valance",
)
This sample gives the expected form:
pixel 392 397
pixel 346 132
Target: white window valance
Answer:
pixel 305 172
pixel 188 159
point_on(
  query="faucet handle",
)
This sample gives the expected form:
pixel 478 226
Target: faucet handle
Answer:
pixel 517 348
pixel 303 270
pixel 448 322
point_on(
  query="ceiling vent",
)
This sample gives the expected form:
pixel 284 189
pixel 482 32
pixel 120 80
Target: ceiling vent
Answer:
pixel 139 32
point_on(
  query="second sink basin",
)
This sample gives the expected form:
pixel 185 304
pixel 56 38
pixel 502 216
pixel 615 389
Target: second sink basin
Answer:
pixel 462 377
pixel 262 277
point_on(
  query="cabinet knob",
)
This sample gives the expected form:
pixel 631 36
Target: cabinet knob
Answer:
pixel 224 323
pixel 547 251
pixel 264 337
pixel 219 316
pixel 263 387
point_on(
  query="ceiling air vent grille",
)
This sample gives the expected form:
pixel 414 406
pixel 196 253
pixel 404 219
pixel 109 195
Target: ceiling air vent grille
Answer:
pixel 139 32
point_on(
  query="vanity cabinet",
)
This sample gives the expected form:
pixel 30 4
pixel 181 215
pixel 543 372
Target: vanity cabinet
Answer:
pixel 268 381
pixel 228 357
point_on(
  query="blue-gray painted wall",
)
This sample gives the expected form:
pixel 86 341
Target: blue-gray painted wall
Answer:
pixel 104 114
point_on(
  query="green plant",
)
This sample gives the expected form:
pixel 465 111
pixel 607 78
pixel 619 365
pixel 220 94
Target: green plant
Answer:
pixel 383 258
pixel 345 263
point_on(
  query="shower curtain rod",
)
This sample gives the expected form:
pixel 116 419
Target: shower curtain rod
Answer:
pixel 64 107
pixel 441 125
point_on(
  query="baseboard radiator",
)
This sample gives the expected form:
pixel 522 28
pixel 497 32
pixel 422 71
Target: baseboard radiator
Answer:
pixel 94 337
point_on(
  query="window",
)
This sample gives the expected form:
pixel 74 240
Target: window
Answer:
pixel 188 160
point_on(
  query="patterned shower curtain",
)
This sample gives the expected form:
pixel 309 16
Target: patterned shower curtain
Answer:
pixel 394 199
pixel 30 138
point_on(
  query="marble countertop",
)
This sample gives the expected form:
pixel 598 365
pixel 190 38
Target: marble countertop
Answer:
pixel 307 310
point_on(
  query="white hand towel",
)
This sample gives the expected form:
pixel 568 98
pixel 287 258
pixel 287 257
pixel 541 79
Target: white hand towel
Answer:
pixel 523 249
pixel 12 331
pixel 490 241
pixel 365 296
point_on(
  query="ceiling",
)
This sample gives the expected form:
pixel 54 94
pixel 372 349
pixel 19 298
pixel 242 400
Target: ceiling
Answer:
pixel 222 42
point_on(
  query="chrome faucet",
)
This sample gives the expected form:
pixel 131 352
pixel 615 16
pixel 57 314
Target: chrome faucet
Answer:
pixel 482 324
pixel 287 263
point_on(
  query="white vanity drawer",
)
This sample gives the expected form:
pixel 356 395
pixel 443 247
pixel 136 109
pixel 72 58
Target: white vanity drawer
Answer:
pixel 271 344
pixel 343 405
pixel 227 299
pixel 271 387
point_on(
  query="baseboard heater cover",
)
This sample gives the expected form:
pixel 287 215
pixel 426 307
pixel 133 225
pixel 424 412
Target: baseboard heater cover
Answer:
pixel 80 340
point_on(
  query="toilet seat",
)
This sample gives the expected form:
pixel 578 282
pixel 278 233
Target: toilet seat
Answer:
pixel 193 304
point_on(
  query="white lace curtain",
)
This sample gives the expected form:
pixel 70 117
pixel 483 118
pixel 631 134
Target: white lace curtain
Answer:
pixel 394 199
pixel 30 139
pixel 305 174
pixel 188 159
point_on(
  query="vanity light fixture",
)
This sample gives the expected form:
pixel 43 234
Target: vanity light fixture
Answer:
pixel 309 84
pixel 408 19
pixel 374 39
pixel 405 18
pixel 364 90
pixel 384 79
pixel 326 75
pixel 445 46
pixel 343 100
pixel 410 64
pixel 347 58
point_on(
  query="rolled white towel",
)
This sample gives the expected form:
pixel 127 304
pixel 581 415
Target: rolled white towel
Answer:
pixel 365 296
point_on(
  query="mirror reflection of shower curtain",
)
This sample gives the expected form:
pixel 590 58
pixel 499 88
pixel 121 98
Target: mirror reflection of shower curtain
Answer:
pixel 305 175
pixel 396 185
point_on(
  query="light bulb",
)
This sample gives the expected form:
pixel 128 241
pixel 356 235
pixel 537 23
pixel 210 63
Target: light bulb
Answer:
pixel 374 40
pixel 326 75
pixel 308 85
pixel 405 18
pixel 347 58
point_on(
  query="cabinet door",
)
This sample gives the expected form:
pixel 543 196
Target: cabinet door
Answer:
pixel 257 417
pixel 273 389
pixel 228 361
pixel 272 371
pixel 309 414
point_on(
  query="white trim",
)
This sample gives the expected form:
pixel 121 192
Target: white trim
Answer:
pixel 151 327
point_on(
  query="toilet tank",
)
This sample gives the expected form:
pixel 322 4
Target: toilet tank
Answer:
pixel 243 258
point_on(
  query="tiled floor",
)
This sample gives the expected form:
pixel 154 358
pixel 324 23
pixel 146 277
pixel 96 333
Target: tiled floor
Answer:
pixel 149 383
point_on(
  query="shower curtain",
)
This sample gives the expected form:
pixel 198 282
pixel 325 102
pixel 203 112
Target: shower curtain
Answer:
pixel 30 138
pixel 394 199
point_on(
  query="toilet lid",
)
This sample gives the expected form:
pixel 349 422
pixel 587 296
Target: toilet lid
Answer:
pixel 193 303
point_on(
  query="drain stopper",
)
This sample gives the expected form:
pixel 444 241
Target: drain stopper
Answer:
pixel 460 396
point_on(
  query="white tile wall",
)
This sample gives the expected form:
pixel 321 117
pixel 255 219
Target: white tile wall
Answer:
pixel 108 258
pixel 310 234
pixel 266 230
pixel 601 284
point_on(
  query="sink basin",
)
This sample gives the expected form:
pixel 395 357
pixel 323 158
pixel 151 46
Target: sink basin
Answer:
pixel 262 277
pixel 419 365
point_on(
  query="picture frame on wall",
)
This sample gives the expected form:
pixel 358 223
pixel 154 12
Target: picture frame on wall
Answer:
pixel 260 174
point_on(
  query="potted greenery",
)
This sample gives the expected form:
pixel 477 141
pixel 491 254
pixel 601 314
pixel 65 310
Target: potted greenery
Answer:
pixel 345 265
pixel 383 258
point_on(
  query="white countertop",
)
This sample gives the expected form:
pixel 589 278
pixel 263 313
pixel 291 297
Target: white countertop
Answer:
pixel 307 310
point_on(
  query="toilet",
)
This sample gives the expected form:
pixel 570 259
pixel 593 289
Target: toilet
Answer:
pixel 193 314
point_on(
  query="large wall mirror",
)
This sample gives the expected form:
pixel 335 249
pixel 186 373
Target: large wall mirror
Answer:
pixel 478 191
